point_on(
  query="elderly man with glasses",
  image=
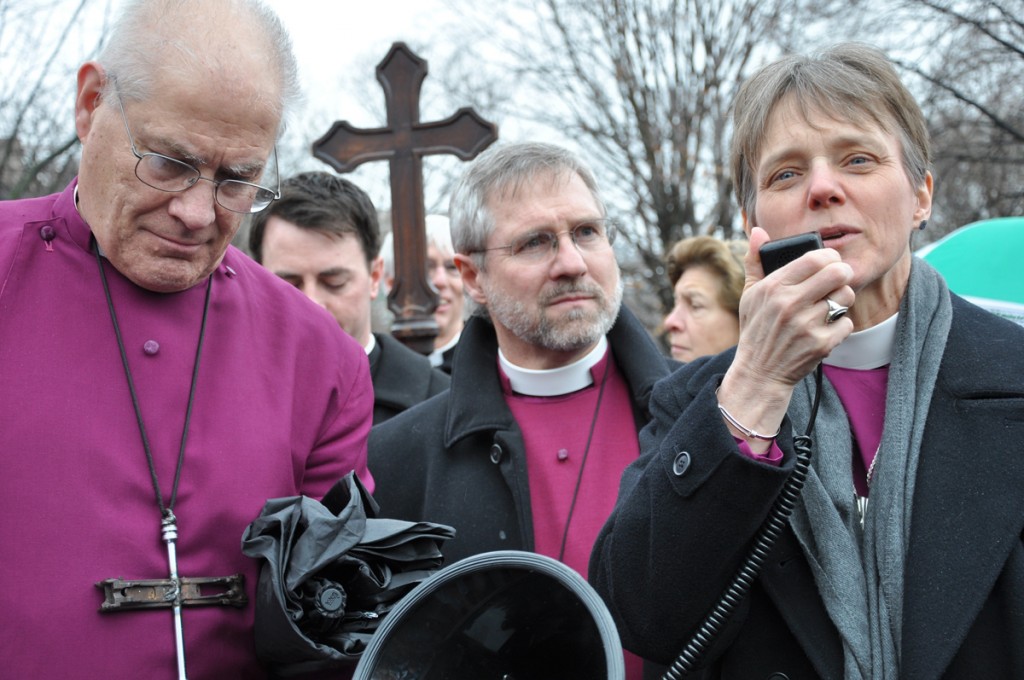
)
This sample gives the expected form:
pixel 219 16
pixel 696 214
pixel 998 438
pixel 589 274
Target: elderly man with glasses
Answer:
pixel 550 380
pixel 157 386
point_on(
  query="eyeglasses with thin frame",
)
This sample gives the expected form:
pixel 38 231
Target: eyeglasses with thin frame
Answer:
pixel 170 174
pixel 588 236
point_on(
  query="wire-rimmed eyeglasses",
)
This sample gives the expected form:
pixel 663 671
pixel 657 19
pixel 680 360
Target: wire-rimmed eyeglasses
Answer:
pixel 170 174
pixel 540 246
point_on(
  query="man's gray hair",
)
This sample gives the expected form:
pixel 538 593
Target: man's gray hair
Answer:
pixel 501 171
pixel 151 35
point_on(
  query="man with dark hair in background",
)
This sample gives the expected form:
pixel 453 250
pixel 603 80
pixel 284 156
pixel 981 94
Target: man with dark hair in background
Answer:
pixel 322 237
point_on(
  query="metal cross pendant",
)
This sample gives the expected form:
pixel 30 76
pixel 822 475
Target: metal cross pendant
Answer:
pixel 174 592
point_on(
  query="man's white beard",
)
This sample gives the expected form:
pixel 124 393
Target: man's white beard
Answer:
pixel 576 330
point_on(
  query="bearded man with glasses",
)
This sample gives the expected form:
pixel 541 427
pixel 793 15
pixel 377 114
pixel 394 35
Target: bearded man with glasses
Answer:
pixel 157 386
pixel 550 379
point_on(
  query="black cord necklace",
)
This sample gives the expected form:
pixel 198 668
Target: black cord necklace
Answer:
pixel 168 509
pixel 583 463
pixel 168 522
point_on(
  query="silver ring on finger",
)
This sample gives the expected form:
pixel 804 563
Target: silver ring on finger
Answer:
pixel 835 311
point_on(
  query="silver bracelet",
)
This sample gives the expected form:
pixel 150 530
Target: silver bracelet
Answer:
pixel 746 431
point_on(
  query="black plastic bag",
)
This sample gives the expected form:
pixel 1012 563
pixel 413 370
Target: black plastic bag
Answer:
pixel 331 571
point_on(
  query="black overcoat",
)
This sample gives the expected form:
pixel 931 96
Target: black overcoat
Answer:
pixel 401 377
pixel 682 524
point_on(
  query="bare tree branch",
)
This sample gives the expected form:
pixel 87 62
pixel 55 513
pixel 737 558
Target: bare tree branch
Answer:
pixel 966 99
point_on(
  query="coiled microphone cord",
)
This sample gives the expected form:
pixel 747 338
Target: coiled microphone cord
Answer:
pixel 766 536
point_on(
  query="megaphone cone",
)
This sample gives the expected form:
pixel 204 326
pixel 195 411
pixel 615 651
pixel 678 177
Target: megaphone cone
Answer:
pixel 505 615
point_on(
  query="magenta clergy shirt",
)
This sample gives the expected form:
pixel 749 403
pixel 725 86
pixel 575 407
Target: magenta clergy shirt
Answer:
pixel 282 407
pixel 555 432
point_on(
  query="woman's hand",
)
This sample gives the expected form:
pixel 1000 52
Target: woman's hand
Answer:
pixel 783 333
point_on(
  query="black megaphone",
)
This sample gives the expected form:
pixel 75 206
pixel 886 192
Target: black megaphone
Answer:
pixel 503 615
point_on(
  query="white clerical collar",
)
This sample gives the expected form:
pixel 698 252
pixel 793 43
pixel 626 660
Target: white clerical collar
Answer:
pixel 869 348
pixel 370 345
pixel 437 356
pixel 553 382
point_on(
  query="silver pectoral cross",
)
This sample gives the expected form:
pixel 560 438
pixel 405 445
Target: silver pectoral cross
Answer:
pixel 174 592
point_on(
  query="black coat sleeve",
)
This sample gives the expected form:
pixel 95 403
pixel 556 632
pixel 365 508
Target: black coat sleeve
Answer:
pixel 686 513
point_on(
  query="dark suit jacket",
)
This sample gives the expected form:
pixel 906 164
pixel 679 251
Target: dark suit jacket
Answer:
pixel 683 523
pixel 401 378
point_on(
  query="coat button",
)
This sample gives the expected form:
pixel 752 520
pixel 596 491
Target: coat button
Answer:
pixel 151 347
pixel 47 233
pixel 681 464
pixel 496 453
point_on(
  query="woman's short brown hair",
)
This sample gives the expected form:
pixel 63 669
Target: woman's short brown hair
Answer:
pixel 849 82
pixel 722 258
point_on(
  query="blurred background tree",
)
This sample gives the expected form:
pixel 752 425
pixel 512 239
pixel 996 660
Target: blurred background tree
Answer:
pixel 641 88
pixel 972 82
pixel 38 146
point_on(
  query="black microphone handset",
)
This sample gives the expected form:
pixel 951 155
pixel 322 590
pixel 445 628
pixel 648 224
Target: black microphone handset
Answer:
pixel 774 254
pixel 781 252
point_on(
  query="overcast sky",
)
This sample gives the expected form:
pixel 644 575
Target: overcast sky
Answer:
pixel 332 38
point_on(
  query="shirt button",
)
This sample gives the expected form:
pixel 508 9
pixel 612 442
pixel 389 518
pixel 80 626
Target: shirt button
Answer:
pixel 681 464
pixel 151 347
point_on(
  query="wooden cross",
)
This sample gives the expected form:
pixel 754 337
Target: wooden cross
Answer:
pixel 403 143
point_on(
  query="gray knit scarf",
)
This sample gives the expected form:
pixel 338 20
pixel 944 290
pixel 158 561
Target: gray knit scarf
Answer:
pixel 860 573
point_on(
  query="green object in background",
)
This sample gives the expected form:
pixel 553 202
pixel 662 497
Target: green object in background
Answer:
pixel 984 262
